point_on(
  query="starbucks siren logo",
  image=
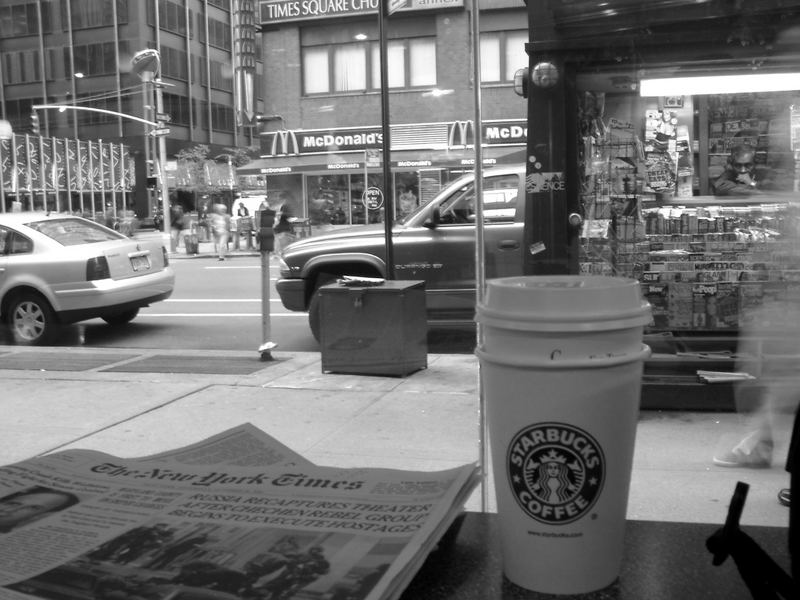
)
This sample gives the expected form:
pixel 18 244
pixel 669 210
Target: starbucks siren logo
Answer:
pixel 556 472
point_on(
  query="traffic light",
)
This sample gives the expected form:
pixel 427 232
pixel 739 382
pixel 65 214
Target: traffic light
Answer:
pixel 34 123
pixel 152 182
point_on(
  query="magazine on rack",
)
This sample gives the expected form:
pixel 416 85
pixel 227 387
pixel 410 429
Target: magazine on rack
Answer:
pixel 237 515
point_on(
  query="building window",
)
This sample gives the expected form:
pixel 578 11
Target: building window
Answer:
pixel 349 67
pixel 21 67
pixel 21 19
pixel 219 34
pixel 87 118
pixel 222 117
pixel 502 54
pixel 96 59
pixel 356 67
pixel 177 107
pixel 171 17
pixel 174 64
pixel 95 13
pixel 316 78
pixel 18 113
pixel 221 76
pixel 200 75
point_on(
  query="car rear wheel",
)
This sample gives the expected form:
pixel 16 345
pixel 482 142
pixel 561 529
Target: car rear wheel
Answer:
pixel 31 319
pixel 121 318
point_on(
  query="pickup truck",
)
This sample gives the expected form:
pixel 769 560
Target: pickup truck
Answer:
pixel 435 244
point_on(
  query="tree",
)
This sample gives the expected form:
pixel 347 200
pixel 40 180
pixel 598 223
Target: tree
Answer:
pixel 200 173
pixel 242 156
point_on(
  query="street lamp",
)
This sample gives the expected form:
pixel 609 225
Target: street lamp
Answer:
pixel 147 65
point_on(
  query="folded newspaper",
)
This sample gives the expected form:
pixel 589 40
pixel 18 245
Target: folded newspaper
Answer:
pixel 237 515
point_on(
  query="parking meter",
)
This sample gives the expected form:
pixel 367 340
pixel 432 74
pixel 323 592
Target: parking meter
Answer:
pixel 266 236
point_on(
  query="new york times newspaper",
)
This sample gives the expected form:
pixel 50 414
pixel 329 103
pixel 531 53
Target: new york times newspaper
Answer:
pixel 84 524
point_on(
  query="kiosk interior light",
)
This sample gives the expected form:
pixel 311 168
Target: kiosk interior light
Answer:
pixel 720 84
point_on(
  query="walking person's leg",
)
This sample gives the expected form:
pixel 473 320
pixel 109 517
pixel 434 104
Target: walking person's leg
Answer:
pixel 222 245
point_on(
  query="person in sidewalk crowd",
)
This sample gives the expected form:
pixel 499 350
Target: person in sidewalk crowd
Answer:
pixel 769 348
pixel 243 226
pixel 220 227
pixel 176 226
pixel 739 176
pixel 284 231
pixel 23 508
pixel 793 468
pixel 203 221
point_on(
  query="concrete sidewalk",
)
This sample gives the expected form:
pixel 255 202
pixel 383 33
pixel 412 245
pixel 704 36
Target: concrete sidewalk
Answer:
pixel 132 402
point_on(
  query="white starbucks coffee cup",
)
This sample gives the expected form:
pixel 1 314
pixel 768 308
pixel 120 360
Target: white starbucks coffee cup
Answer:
pixel 561 362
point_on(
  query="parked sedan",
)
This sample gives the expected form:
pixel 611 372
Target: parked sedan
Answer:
pixel 58 269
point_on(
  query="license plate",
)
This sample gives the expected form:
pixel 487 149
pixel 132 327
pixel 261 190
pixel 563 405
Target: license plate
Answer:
pixel 140 263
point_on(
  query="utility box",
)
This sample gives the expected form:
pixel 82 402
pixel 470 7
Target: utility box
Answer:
pixel 374 329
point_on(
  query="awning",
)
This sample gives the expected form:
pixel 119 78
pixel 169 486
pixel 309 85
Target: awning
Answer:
pixel 400 160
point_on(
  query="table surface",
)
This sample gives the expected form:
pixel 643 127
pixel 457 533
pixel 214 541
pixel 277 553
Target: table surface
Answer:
pixel 663 560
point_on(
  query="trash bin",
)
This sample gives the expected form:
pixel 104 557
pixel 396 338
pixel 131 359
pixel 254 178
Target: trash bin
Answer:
pixel 191 243
pixel 374 329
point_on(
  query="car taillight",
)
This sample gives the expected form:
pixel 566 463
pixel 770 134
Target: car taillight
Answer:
pixel 166 256
pixel 97 268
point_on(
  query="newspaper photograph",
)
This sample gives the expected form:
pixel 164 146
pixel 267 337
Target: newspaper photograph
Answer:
pixel 84 524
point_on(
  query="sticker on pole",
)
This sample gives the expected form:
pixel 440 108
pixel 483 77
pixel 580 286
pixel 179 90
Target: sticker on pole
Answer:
pixel 545 182
pixel 373 198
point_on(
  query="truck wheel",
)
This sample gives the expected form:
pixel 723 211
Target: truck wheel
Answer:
pixel 31 320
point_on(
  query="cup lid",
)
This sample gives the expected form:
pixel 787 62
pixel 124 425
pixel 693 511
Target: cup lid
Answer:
pixel 564 301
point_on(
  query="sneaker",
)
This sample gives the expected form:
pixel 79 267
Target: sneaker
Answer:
pixel 785 497
pixel 759 457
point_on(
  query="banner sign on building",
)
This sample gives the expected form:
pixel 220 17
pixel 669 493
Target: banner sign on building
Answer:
pixel 245 42
pixel 272 12
pixel 45 172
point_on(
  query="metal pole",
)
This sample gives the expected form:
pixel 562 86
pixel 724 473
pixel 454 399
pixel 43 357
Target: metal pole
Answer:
pixel 480 271
pixel 266 221
pixel 388 216
pixel 265 350
pixel 148 169
pixel 162 160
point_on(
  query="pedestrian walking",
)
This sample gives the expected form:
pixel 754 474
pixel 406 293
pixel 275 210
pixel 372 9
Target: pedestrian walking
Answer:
pixel 221 226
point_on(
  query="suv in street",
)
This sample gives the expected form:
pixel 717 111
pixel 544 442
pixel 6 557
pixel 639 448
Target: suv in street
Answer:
pixel 435 244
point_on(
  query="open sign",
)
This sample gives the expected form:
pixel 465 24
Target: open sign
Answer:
pixel 373 198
